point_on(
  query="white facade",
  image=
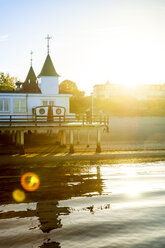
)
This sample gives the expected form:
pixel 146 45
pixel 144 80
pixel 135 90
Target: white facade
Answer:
pixel 49 85
pixel 22 104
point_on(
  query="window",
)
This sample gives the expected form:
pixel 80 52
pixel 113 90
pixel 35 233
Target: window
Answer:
pixel 1 105
pixel 51 102
pixel 46 102
pixel 16 106
pixel 4 105
pixel 20 105
pixel 23 106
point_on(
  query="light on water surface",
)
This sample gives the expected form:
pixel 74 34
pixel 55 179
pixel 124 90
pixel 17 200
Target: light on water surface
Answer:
pixel 131 172
pixel 89 203
pixel 132 189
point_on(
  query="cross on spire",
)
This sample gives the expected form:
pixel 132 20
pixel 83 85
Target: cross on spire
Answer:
pixel 31 57
pixel 48 38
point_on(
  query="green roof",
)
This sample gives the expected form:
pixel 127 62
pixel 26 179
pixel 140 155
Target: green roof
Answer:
pixel 31 77
pixel 48 68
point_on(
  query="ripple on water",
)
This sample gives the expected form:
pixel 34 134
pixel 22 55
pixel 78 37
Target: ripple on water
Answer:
pixel 88 206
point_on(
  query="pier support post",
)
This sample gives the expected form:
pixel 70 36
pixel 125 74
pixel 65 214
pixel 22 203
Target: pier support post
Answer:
pixel 98 148
pixel 56 136
pixel 7 133
pixel 78 137
pixel 22 151
pixel 20 141
pixel 50 132
pixel 17 138
pixel 71 150
pixel 59 138
pixel 88 137
pixel 13 137
pixel 63 138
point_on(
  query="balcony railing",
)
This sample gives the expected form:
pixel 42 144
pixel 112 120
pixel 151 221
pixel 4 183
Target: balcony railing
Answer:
pixel 53 120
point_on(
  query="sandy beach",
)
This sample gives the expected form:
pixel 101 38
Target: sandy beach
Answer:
pixel 50 159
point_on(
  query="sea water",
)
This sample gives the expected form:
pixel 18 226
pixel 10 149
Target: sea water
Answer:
pixel 112 205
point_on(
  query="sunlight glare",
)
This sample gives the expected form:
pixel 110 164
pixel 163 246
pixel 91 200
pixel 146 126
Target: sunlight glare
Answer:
pixel 130 172
pixel 133 190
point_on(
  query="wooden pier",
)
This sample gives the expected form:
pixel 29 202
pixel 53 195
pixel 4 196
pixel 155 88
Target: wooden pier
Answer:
pixel 17 125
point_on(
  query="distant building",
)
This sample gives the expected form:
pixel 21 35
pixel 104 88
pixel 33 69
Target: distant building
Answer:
pixel 141 91
pixel 150 91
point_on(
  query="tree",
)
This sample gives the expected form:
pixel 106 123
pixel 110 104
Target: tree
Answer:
pixel 78 101
pixel 7 82
pixel 69 87
pixel 80 105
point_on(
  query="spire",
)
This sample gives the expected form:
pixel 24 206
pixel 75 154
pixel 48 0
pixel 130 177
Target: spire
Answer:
pixel 48 68
pixel 48 38
pixel 31 85
pixel 31 77
pixel 31 59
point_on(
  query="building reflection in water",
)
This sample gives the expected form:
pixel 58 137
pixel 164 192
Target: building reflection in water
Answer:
pixel 51 245
pixel 57 183
pixel 62 183
pixel 48 213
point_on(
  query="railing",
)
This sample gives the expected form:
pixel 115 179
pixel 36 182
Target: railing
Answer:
pixel 37 120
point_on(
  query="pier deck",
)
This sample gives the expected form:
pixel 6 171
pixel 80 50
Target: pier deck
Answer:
pixel 16 125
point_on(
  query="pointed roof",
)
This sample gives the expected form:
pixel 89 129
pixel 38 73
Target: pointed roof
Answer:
pixel 48 68
pixel 31 77
pixel 30 85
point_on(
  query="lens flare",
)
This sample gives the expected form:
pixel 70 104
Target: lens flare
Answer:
pixel 30 181
pixel 18 195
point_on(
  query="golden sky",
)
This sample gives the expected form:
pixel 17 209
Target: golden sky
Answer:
pixel 92 41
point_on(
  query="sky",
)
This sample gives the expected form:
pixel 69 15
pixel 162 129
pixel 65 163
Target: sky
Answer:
pixel 93 41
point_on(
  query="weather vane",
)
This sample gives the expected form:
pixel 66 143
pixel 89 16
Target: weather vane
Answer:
pixel 31 59
pixel 48 38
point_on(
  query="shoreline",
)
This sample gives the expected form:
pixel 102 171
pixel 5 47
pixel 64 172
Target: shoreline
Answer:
pixel 54 159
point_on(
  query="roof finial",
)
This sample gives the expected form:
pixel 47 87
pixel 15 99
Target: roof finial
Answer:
pixel 31 58
pixel 48 38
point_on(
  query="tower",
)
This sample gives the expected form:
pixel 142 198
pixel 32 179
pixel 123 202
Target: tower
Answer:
pixel 48 77
pixel 31 85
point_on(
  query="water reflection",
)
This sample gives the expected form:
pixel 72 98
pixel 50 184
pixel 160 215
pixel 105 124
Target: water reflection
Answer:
pixel 56 184
pixel 49 215
pixel 51 245
pixel 62 213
